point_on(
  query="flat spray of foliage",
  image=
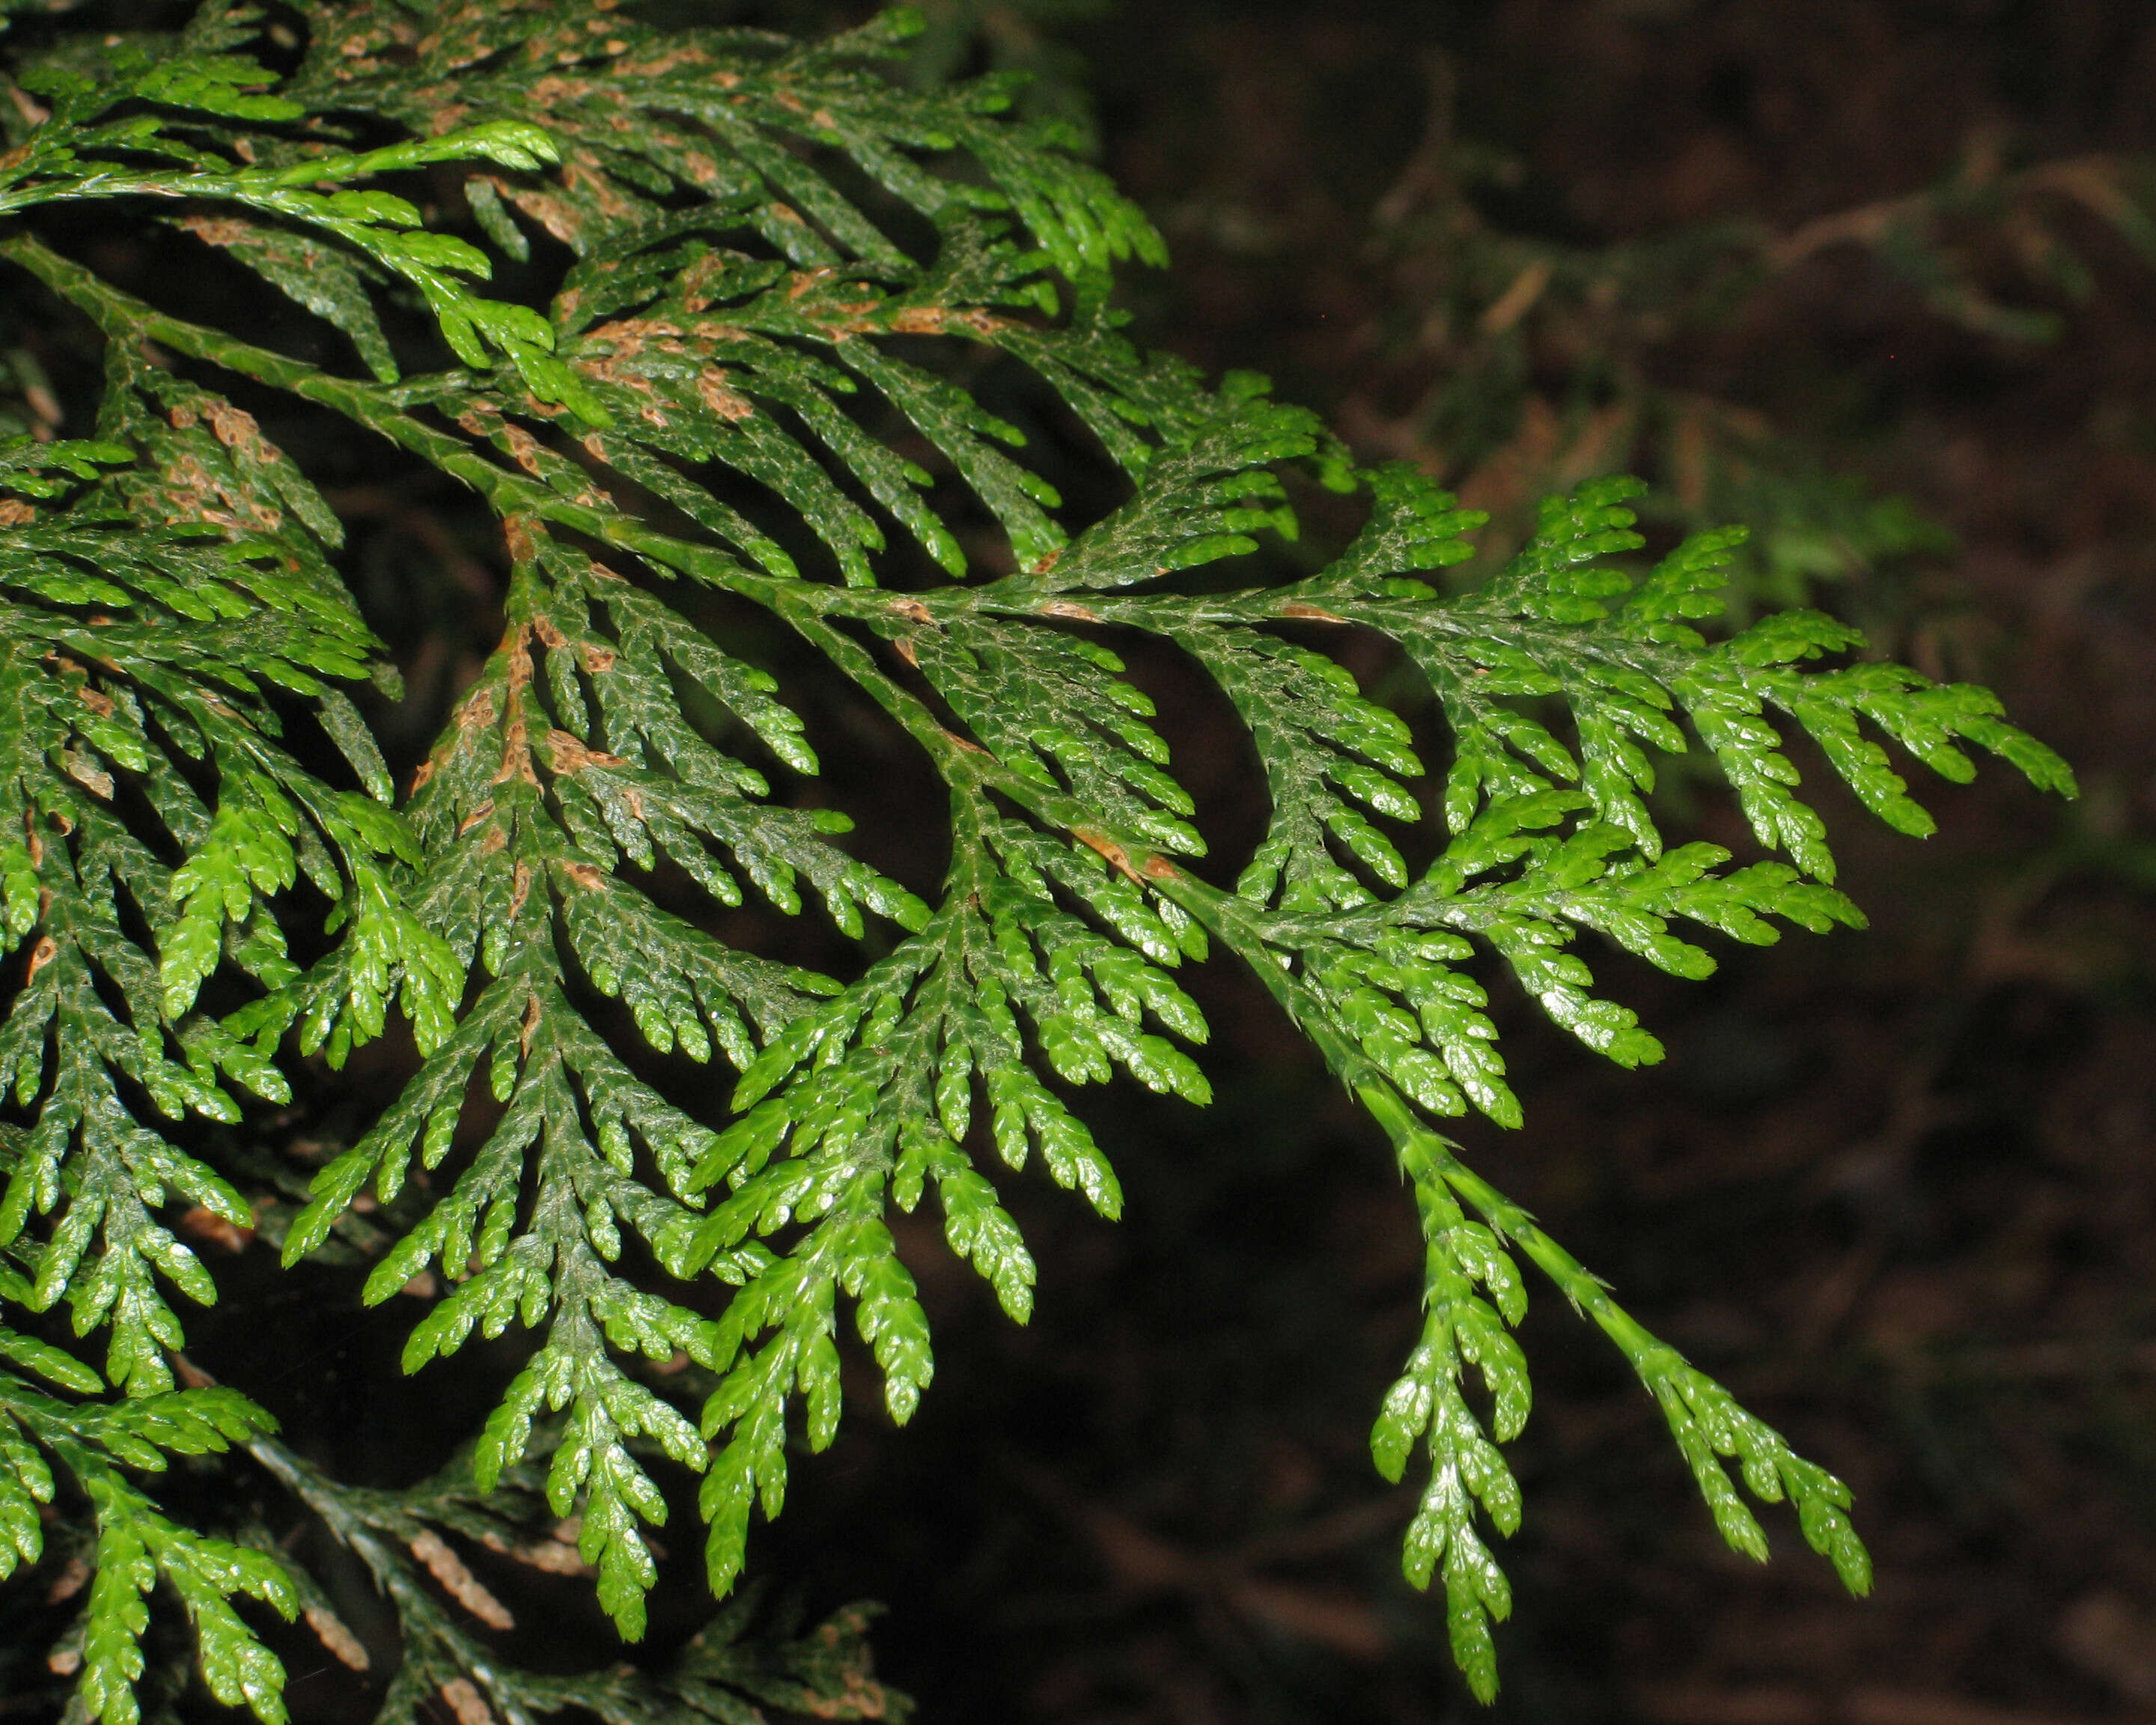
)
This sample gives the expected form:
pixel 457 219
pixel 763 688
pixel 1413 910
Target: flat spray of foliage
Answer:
pixel 773 261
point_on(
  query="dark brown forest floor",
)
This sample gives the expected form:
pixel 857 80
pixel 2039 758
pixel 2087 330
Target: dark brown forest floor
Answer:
pixel 1899 1189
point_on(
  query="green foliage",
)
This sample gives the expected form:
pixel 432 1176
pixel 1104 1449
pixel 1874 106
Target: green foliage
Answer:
pixel 134 1546
pixel 720 1673
pixel 747 385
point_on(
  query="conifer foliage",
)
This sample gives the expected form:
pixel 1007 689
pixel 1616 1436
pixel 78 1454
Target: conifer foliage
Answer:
pixel 768 267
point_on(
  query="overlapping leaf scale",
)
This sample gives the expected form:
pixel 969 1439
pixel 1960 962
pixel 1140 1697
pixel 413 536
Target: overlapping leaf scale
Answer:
pixel 1053 707
pixel 1708 1424
pixel 969 436
pixel 1413 528
pixel 67 1050
pixel 713 359
pixel 1730 692
pixel 1711 1427
pixel 1529 867
pixel 645 114
pixel 1461 1327
pixel 1522 639
pixel 1547 842
pixel 569 759
pixel 662 785
pixel 1325 749
pixel 705 356
pixel 206 461
pixel 871 1100
pixel 548 1268
pixel 1429 1403
pixel 824 1671
pixel 1564 624
pixel 701 392
pixel 336 284
pixel 1201 496
pixel 1523 880
pixel 873 1126
pixel 614 97
pixel 295 184
pixel 572 1116
pixel 141 655
pixel 747 365
pixel 137 1545
pixel 720 1674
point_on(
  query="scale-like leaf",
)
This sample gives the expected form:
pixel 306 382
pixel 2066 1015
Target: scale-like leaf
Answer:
pixel 751 393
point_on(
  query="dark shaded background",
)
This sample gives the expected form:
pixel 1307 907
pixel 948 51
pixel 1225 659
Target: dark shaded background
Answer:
pixel 1897 1189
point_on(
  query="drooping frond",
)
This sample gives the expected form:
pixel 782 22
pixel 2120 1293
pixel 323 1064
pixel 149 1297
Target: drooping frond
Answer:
pixel 774 270
pixel 148 624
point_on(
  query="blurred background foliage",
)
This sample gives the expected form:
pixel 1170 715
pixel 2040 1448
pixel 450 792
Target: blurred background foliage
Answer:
pixel 1873 277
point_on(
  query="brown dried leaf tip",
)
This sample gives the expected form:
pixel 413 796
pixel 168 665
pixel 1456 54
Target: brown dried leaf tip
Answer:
pixel 466 1588
pixel 465 1703
pixel 331 1631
